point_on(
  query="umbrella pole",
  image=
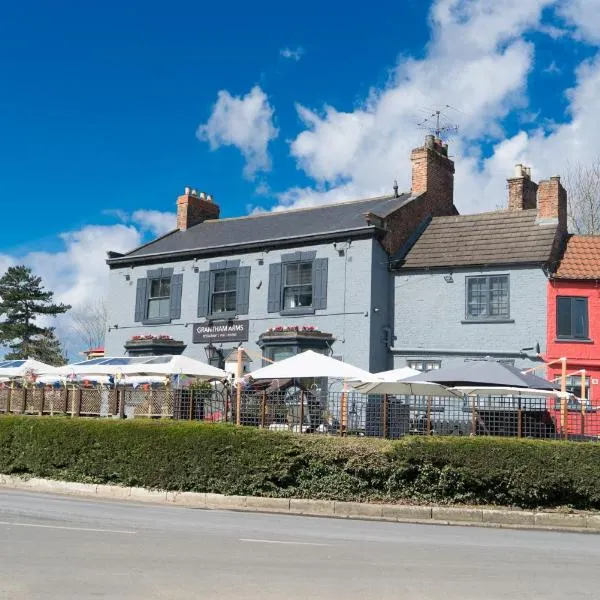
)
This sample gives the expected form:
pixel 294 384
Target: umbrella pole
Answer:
pixel 519 419
pixel 385 416
pixel 428 415
pixel 563 399
pixel 238 396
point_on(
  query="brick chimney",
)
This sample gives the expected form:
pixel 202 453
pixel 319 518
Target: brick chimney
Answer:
pixel 433 172
pixel 522 191
pixel 552 202
pixel 195 207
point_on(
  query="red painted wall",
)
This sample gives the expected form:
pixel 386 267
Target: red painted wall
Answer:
pixel 580 355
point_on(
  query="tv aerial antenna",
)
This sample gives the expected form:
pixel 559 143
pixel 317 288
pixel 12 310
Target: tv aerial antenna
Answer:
pixel 438 124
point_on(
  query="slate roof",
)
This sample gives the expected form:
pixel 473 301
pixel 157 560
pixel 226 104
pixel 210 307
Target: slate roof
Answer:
pixel 268 229
pixel 581 259
pixel 494 238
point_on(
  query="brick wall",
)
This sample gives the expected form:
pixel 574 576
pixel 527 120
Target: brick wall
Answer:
pixel 433 183
pixel 580 354
pixel 552 201
pixel 522 193
pixel 193 209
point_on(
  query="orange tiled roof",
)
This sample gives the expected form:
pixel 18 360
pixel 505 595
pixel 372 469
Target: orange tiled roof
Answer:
pixel 581 259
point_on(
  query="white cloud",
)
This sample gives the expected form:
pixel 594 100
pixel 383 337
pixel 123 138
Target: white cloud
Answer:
pixel 292 53
pixel 584 16
pixel 154 221
pixel 478 61
pixel 77 274
pixel 244 122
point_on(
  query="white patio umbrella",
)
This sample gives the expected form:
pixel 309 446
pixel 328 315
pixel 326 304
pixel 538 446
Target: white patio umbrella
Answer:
pixel 31 364
pixel 178 365
pixel 396 374
pixel 483 390
pixel 310 364
pixel 404 388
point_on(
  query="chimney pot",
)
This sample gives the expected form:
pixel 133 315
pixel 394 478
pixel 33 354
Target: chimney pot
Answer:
pixel 187 190
pixel 194 208
pixel 519 170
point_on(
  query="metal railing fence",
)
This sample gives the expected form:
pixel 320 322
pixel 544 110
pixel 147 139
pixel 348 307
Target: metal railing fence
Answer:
pixel 319 411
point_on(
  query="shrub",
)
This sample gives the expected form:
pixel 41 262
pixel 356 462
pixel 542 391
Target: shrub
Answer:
pixel 190 456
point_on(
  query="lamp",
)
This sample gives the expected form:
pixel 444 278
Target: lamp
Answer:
pixel 448 278
pixel 211 352
pixel 214 355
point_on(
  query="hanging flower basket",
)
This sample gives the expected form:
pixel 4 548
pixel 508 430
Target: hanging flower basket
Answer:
pixel 295 331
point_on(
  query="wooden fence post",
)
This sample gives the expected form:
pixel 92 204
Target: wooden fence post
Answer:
pixel 583 402
pixel 121 403
pixel 263 409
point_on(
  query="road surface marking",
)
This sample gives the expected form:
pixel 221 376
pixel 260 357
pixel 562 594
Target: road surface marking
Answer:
pixel 9 523
pixel 281 542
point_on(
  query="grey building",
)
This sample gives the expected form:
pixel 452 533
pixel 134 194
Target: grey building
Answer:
pixel 214 283
pixel 472 286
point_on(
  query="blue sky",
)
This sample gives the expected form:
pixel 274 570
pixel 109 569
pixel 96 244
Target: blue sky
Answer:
pixel 107 112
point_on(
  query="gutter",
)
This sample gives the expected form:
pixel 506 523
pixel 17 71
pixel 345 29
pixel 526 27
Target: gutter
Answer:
pixel 238 248
pixel 462 352
pixel 456 268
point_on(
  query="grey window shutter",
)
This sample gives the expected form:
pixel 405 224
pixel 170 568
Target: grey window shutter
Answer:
pixel 176 289
pixel 243 291
pixel 320 283
pixel 203 293
pixel 141 300
pixel 274 298
pixel 154 273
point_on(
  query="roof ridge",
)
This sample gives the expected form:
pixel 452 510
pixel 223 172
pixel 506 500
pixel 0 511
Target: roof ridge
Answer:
pixel 306 208
pixel 492 213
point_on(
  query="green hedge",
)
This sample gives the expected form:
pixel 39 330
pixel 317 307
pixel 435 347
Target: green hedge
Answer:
pixel 228 460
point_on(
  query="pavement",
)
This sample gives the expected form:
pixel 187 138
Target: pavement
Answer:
pixel 59 547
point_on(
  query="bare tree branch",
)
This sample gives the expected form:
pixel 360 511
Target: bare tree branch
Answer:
pixel 582 183
pixel 89 322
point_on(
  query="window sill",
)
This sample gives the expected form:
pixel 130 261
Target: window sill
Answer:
pixel 224 316
pixel 486 321
pixel 164 321
pixel 308 310
pixel 573 341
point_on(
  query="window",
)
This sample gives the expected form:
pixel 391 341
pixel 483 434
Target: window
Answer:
pixel 572 318
pixel 159 300
pixel 574 385
pixel 158 296
pixel 424 365
pixel 224 291
pixel 488 298
pixel 297 285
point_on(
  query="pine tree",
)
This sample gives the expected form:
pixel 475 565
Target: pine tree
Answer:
pixel 22 299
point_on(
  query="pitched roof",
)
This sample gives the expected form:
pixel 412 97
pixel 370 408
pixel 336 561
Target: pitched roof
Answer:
pixel 581 259
pixel 494 238
pixel 268 229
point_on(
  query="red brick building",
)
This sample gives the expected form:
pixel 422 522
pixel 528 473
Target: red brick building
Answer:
pixel 574 315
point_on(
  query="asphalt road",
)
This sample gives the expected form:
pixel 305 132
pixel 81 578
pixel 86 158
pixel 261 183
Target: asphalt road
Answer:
pixel 55 547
